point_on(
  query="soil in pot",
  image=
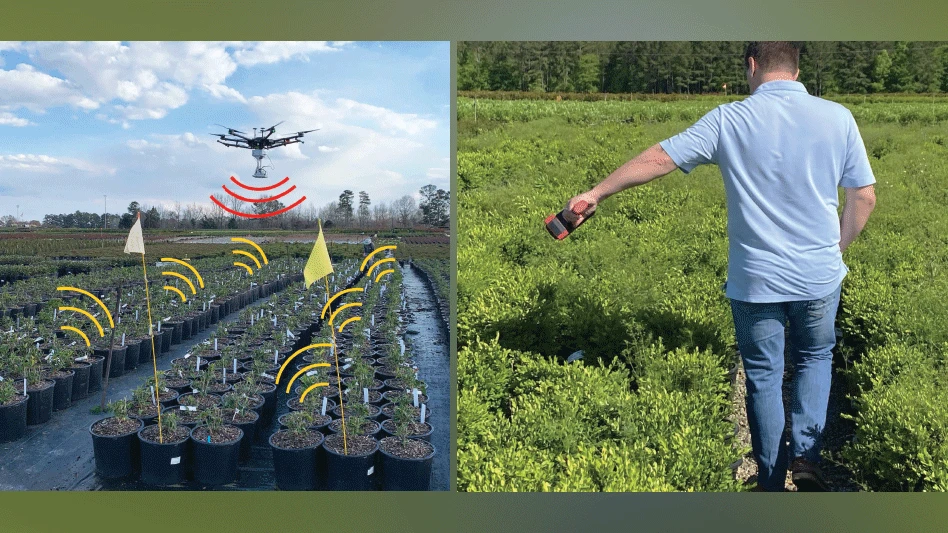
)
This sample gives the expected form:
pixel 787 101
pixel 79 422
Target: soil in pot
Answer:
pixel 216 454
pixel 147 413
pixel 352 471
pixel 204 401
pixel 374 411
pixel 295 459
pixel 405 463
pixel 416 430
pixel 166 462
pixel 39 407
pixel 320 422
pixel 13 418
pixel 62 391
pixel 186 417
pixel 115 445
pixel 388 411
pixel 369 428
pixel 80 381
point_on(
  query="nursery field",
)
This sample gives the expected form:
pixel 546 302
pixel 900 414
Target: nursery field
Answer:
pixel 255 372
pixel 638 289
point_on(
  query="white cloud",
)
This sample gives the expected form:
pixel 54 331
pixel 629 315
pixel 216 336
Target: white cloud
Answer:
pixel 49 164
pixel 327 149
pixel 436 173
pixel 390 120
pixel 141 80
pixel 9 119
pixel 276 51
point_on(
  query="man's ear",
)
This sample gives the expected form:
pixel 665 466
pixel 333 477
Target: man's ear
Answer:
pixel 797 75
pixel 753 65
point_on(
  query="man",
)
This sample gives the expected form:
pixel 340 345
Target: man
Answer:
pixel 782 154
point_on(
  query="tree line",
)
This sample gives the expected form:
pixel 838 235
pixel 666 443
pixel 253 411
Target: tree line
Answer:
pixel 695 67
pixel 351 210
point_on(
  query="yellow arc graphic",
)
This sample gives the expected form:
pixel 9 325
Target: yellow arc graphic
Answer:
pixel 379 262
pixel 90 295
pixel 382 273
pixel 177 290
pixel 311 387
pixel 304 369
pixel 334 296
pixel 297 352
pixel 379 249
pixel 88 314
pixel 186 280
pixel 70 328
pixel 340 309
pixel 255 245
pixel 239 264
pixel 185 263
pixel 353 319
pixel 248 254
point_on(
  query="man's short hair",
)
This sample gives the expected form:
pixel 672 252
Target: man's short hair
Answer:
pixel 771 56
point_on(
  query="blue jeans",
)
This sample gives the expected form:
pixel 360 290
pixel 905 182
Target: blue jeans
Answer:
pixel 760 339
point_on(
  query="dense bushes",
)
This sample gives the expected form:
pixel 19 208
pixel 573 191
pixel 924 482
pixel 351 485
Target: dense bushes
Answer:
pixel 638 289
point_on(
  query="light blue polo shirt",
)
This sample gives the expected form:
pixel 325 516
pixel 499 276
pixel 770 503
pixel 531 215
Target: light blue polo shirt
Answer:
pixel 782 154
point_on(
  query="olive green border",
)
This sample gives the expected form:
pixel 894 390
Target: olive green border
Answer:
pixel 454 270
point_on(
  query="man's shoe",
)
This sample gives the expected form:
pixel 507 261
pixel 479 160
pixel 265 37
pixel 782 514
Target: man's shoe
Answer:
pixel 807 476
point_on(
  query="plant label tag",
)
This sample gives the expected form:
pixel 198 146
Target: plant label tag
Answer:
pixel 159 326
pixel 136 315
pixel 187 355
pixel 365 395
pixel 176 460
pixel 153 401
pixel 224 378
pixel 265 375
pixel 55 310
pixel 323 410
pixel 215 344
pixel 373 321
pixel 422 413
pixel 414 394
pixel 371 470
pixel 197 363
pixel 347 360
pixel 276 355
pixel 346 366
pixel 235 366
pixel 311 372
pixel 24 386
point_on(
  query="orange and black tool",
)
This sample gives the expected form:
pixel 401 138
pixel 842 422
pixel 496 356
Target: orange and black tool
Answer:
pixel 560 228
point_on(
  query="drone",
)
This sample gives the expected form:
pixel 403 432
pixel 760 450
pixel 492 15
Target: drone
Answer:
pixel 258 144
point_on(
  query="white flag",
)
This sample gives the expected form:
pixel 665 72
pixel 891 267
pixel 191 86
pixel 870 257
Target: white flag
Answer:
pixel 135 243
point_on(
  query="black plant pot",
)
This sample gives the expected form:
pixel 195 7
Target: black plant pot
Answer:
pixel 250 432
pixel 405 474
pixel 214 314
pixel 39 408
pixel 424 436
pixel 80 381
pixel 95 373
pixel 269 407
pixel 215 464
pixel 176 332
pixel 164 463
pixel 144 351
pixel 166 334
pixel 13 420
pixel 62 391
pixel 295 469
pixel 350 472
pixel 132 350
pixel 116 457
pixel 117 367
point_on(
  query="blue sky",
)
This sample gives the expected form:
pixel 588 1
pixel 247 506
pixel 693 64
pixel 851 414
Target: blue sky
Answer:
pixel 132 120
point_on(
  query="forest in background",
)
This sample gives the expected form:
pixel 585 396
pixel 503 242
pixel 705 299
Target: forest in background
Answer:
pixel 695 67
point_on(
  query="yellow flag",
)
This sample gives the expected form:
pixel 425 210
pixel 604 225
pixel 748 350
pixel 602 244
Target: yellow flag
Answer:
pixel 318 266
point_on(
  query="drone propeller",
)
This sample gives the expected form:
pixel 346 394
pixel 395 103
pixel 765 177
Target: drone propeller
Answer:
pixel 230 130
pixel 273 127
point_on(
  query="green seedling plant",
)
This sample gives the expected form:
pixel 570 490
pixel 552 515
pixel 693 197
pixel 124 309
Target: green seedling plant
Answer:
pixel 298 422
pixel 7 392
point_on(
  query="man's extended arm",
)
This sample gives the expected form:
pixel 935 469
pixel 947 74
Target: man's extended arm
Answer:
pixel 859 203
pixel 650 164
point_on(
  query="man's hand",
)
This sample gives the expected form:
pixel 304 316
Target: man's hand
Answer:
pixel 591 199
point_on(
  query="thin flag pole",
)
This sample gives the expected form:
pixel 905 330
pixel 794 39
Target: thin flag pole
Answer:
pixel 335 353
pixel 151 333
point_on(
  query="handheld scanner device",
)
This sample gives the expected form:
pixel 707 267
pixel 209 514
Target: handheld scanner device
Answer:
pixel 560 228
